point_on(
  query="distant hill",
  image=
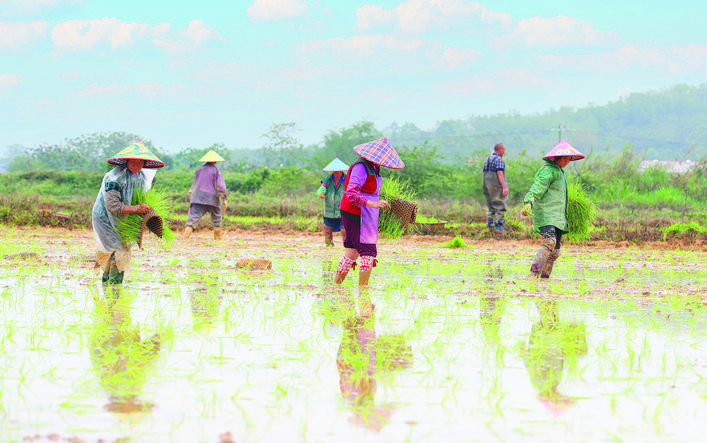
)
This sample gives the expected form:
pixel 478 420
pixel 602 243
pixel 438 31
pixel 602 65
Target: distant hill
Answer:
pixel 669 124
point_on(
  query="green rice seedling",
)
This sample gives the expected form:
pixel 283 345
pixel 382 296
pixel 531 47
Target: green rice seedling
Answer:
pixel 393 188
pixel 456 242
pixel 130 228
pixel 581 212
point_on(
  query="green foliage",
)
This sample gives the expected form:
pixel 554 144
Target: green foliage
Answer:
pixel 580 212
pixel 456 242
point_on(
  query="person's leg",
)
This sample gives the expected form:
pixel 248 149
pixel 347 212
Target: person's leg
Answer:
pixel 489 208
pixel 337 226
pixel 549 239
pixel 368 253
pixel 196 211
pixel 498 208
pixel 547 269
pixel 365 269
pixel 347 262
pixel 217 220
pixel 328 232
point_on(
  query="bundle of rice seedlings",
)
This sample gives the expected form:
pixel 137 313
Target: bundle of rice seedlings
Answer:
pixel 388 221
pixel 456 242
pixel 581 212
pixel 132 226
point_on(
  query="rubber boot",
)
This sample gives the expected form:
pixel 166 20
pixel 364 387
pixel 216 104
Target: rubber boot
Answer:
pixel 489 223
pixel 218 232
pixel 187 232
pixel 546 249
pixel 328 235
pixel 547 269
pixel 499 227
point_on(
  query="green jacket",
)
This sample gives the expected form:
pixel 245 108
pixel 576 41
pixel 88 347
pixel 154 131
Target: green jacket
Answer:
pixel 332 198
pixel 548 197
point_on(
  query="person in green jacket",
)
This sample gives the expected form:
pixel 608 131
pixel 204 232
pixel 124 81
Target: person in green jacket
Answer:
pixel 331 190
pixel 547 199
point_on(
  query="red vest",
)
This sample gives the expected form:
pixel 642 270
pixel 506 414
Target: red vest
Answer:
pixel 369 187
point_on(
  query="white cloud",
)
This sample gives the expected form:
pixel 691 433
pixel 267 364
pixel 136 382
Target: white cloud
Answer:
pixel 267 10
pixel 197 34
pixel 9 81
pixel 452 58
pixel 561 30
pixel 147 90
pixel 87 34
pixel 371 46
pixel 419 16
pixel 15 34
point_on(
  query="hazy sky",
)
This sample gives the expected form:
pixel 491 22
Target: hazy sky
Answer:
pixel 195 73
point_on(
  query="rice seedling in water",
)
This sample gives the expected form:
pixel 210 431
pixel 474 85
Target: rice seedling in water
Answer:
pixel 580 212
pixel 456 242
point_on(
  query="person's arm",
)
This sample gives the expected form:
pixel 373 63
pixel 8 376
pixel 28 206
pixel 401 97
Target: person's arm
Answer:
pixel 221 186
pixel 117 207
pixel 543 180
pixel 502 180
pixel 322 190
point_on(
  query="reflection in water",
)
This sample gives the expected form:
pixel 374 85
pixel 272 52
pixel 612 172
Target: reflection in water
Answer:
pixel 328 268
pixel 205 304
pixel 362 356
pixel 119 355
pixel 552 343
pixel 491 313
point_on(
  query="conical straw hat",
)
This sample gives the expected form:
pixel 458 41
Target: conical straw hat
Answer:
pixel 564 149
pixel 336 165
pixel 137 151
pixel 380 152
pixel 211 156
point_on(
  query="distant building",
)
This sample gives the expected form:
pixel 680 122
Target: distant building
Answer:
pixel 3 168
pixel 676 167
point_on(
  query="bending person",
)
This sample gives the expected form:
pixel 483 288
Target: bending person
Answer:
pixel 547 198
pixel 114 199
pixel 207 194
pixel 360 205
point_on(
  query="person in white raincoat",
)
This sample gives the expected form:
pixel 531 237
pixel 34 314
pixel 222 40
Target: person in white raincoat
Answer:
pixel 115 199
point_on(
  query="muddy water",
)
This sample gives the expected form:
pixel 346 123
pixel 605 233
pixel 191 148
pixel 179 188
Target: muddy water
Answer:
pixel 445 344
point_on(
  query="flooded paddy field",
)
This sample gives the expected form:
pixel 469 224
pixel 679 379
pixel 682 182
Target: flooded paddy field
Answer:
pixel 444 345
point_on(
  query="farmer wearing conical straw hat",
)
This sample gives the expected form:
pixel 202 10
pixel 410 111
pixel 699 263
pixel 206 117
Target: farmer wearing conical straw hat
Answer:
pixel 332 190
pixel 547 199
pixel 360 205
pixel 207 194
pixel 115 198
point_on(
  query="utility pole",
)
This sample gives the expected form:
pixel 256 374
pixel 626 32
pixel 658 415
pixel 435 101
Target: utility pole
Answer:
pixel 559 129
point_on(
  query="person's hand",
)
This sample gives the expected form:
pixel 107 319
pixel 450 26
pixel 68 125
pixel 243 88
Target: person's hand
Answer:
pixel 189 195
pixel 380 204
pixel 505 192
pixel 321 195
pixel 526 210
pixel 142 208
pixel 225 205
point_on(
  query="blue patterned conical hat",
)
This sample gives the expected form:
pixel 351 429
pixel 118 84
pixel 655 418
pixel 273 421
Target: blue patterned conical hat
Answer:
pixel 137 151
pixel 336 165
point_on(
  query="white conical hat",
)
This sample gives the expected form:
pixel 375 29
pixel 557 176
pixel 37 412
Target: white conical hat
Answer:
pixel 336 165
